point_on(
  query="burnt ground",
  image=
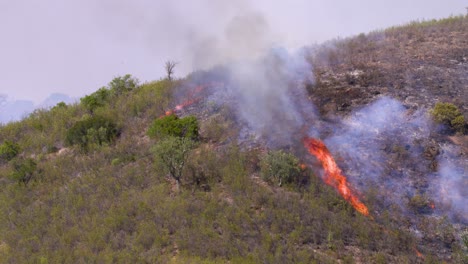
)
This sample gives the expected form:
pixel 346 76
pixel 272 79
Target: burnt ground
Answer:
pixel 419 65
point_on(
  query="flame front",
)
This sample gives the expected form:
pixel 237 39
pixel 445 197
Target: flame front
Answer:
pixel 333 175
pixel 192 95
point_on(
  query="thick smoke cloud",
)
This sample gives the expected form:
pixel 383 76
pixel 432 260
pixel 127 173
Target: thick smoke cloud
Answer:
pixel 267 96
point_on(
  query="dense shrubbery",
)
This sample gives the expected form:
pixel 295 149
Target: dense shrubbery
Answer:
pixel 96 99
pixel 280 168
pixel 23 170
pixel 449 115
pixel 203 168
pixel 151 98
pixel 95 130
pixel 123 84
pixel 59 106
pixel 8 150
pixel 173 126
pixel 104 95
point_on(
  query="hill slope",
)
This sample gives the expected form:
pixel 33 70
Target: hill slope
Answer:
pixel 115 201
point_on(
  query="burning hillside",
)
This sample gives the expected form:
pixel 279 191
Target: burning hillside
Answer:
pixel 383 147
pixel 313 157
pixel 268 100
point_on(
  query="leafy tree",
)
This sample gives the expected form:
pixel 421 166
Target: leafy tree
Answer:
pixel 59 105
pixel 23 170
pixel 96 99
pixel 173 153
pixel 9 150
pixel 449 115
pixel 122 84
pixel 280 167
pixel 174 126
pixel 94 130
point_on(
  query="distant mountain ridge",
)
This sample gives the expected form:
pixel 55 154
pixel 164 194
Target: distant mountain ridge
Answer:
pixel 15 110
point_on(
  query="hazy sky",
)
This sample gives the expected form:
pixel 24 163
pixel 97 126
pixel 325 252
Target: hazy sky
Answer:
pixel 76 46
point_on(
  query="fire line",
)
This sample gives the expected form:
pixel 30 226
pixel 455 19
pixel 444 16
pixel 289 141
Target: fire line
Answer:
pixel 192 98
pixel 333 175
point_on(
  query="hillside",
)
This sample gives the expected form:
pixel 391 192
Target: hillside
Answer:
pixel 224 166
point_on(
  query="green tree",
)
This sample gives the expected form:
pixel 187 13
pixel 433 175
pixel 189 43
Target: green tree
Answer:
pixel 173 153
pixel 9 150
pixel 23 170
pixel 279 167
pixel 94 130
pixel 122 84
pixel 96 99
pixel 174 126
pixel 449 115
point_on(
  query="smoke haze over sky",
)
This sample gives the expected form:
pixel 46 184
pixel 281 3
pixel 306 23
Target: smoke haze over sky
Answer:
pixel 75 47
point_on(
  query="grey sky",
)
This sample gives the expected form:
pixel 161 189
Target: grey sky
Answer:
pixel 75 47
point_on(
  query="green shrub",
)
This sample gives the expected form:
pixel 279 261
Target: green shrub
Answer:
pixel 9 150
pixel 95 130
pixel 173 126
pixel 280 167
pixel 23 170
pixel 449 115
pixel 458 124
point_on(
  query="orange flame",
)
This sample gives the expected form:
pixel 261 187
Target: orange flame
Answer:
pixel 419 254
pixel 302 166
pixel 333 175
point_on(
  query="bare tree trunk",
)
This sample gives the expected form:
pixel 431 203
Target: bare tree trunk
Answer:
pixel 169 66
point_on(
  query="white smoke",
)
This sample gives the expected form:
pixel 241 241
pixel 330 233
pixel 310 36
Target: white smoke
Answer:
pixel 269 96
pixel 451 183
pixel 375 143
